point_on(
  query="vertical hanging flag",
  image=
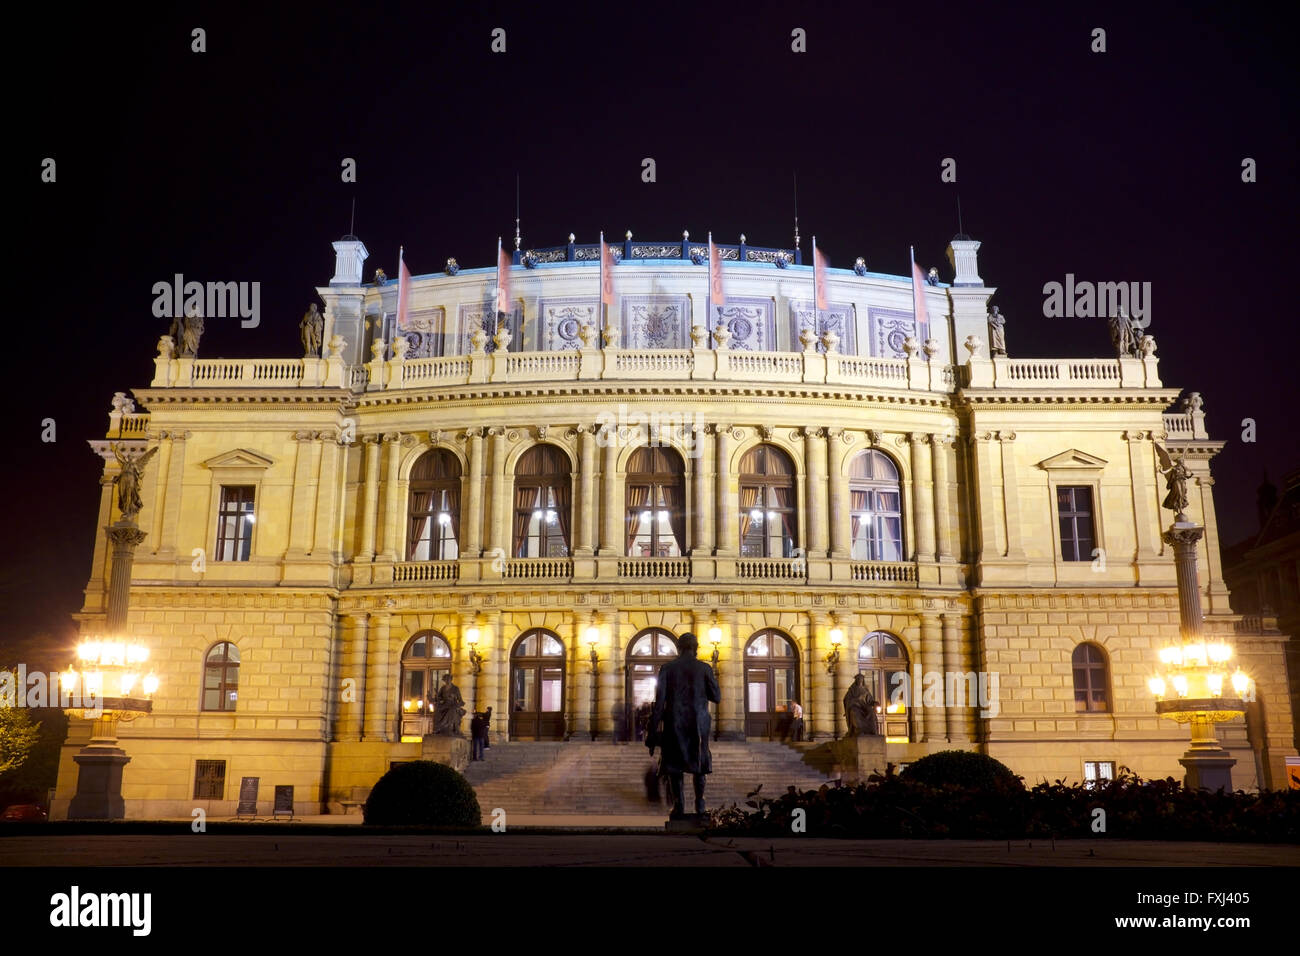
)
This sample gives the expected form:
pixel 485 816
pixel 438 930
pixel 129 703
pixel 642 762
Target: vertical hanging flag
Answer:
pixel 403 290
pixel 717 292
pixel 819 277
pixel 503 280
pixel 606 280
pixel 920 319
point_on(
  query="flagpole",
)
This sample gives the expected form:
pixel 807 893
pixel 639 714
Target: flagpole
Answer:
pixel 708 297
pixel 817 319
pixel 911 268
pixel 401 252
pixel 600 290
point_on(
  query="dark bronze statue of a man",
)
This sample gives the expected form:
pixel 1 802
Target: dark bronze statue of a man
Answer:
pixel 860 708
pixel 679 723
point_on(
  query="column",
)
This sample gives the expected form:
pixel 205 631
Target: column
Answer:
pixel 300 514
pixel 932 661
pixel 172 503
pixel 379 693
pixel 611 511
pixel 944 522
pixel 1140 479
pixel 160 490
pixel 732 678
pixel 1215 590
pixel 922 496
pixel 471 516
pixel 818 696
pixel 986 507
pixel 324 542
pixel 496 672
pixel 610 697
pixel 499 521
pixel 836 451
pixel 725 503
pixel 587 496
pixel 1011 495
pixel 124 537
pixel 816 498
pixel 100 566
pixel 352 715
pixel 960 723
pixel 1183 538
pixel 369 499
pixel 701 505
pixel 390 529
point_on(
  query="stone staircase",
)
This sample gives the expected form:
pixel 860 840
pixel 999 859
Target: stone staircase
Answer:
pixel 551 777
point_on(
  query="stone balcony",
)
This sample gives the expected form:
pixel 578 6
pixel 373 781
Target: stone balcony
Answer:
pixel 809 367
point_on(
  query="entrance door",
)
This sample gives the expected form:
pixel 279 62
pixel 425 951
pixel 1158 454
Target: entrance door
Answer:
pixel 649 651
pixel 771 682
pixel 537 687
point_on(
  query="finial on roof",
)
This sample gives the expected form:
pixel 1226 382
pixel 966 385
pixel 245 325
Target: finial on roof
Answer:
pixel 628 235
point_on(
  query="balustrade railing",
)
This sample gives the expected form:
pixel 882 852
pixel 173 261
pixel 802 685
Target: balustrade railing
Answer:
pixel 538 569
pixel 654 568
pixel 767 569
pixel 885 572
pixel 407 571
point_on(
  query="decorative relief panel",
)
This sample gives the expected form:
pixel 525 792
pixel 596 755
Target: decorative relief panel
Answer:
pixel 482 315
pixel 656 322
pixel 889 329
pixel 561 320
pixel 839 318
pixel 751 322
pixel 426 333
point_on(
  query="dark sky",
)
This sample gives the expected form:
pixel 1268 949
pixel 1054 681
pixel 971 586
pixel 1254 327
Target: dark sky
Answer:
pixel 225 165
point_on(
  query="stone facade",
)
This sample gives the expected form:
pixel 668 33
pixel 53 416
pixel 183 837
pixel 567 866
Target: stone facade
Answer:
pixel 325 603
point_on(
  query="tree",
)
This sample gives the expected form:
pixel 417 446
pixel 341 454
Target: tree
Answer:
pixel 18 733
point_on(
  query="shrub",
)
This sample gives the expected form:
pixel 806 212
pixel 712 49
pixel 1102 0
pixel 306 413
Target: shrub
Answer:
pixel 422 793
pixel 962 768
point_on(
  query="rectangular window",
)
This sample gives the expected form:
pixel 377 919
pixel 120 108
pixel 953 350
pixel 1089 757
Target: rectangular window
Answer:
pixel 1074 510
pixel 209 779
pixel 235 523
pixel 1097 771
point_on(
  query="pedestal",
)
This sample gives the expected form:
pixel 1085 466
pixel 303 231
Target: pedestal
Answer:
pixel 99 782
pixel 1206 771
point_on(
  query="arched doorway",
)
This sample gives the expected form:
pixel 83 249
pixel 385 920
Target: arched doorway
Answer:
pixel 882 660
pixel 426 657
pixel 771 682
pixel 537 687
pixel 650 650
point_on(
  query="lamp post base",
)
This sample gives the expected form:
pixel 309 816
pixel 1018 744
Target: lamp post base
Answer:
pixel 99 783
pixel 1208 771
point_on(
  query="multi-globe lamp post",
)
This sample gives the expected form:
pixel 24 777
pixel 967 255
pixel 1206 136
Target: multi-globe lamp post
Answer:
pixel 1193 684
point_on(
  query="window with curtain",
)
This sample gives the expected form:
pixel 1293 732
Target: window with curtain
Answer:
pixel 875 508
pixel 656 504
pixel 434 511
pixel 769 526
pixel 543 503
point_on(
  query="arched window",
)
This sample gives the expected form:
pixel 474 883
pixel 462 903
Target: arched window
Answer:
pixel 882 659
pixel 434 508
pixel 426 657
pixel 656 504
pixel 221 677
pixel 543 499
pixel 1091 679
pixel 875 508
pixel 649 651
pixel 768 521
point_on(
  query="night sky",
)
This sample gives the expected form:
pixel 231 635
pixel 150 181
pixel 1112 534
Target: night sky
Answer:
pixel 225 165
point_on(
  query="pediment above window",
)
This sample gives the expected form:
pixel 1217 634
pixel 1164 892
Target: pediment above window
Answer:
pixel 1073 460
pixel 239 458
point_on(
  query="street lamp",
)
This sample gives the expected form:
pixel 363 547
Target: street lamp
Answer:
pixel 833 666
pixel 715 638
pixel 108 683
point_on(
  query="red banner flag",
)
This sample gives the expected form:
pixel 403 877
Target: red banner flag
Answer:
pixel 606 273
pixel 503 279
pixel 717 293
pixel 919 315
pixel 403 290
pixel 819 277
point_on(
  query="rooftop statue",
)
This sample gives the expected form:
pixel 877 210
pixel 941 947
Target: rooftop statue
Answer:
pixel 997 333
pixel 1127 336
pixel 312 328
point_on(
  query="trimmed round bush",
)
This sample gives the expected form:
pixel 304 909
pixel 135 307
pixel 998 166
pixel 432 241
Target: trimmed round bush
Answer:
pixel 422 793
pixel 962 768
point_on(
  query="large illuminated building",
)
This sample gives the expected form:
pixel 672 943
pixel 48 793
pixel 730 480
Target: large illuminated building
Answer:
pixel 500 494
